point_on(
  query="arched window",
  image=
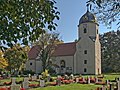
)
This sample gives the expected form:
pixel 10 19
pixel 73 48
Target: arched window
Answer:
pixel 85 70
pixel 62 64
pixel 85 30
pixel 97 31
pixel 30 63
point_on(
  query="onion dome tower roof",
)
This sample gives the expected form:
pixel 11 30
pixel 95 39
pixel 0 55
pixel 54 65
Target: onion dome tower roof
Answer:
pixel 88 17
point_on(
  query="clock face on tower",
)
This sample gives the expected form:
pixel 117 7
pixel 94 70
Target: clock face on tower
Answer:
pixel 85 18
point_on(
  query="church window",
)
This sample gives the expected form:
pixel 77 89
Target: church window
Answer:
pixel 97 31
pixel 62 64
pixel 85 52
pixel 85 70
pixel 30 63
pixel 85 61
pixel 85 30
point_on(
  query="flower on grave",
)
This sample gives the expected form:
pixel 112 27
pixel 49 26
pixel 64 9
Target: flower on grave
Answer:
pixel 45 73
pixel 22 88
pixel 33 85
pixel 7 83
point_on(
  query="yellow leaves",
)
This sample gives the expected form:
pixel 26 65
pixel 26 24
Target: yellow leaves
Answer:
pixel 1 54
pixel 3 62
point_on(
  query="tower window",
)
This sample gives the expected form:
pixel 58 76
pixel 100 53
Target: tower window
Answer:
pixel 85 30
pixel 85 70
pixel 97 31
pixel 85 52
pixel 30 63
pixel 85 61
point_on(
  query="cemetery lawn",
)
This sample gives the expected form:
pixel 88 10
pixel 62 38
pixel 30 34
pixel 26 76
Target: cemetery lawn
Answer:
pixel 69 87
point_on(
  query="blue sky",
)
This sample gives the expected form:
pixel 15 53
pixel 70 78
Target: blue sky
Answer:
pixel 70 13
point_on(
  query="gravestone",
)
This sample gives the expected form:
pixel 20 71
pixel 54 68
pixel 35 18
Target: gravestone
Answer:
pixel 72 76
pixel 13 85
pixel 40 76
pixel 96 80
pixel 29 76
pixel 48 78
pixel 13 81
pixel 107 82
pixel 9 75
pixel 77 80
pixel 83 79
pixel 118 85
pixel 66 77
pixel 42 83
pixel 88 80
pixel 58 80
pixel 34 78
pixel 26 83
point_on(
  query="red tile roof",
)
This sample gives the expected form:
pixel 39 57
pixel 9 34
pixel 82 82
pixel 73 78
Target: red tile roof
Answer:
pixel 64 49
pixel 33 53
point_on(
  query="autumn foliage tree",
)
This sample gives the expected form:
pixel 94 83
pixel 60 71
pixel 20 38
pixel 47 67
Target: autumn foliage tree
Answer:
pixel 3 61
pixel 16 57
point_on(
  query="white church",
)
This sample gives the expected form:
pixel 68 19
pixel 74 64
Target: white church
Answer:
pixel 81 57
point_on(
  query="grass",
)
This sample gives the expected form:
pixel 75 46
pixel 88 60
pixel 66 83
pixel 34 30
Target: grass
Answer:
pixel 73 86
pixel 70 87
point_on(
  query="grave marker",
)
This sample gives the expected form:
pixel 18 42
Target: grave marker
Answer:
pixel 26 83
pixel 42 83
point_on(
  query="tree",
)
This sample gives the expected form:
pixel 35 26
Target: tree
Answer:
pixel 3 61
pixel 24 20
pixel 16 56
pixel 107 11
pixel 46 43
pixel 110 43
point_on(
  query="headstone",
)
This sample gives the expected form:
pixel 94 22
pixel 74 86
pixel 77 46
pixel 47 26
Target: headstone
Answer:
pixel 26 83
pixel 42 83
pixel 77 80
pixel 107 82
pixel 13 81
pixel 83 79
pixel 34 78
pixel 96 80
pixel 9 75
pixel 29 75
pixel 72 76
pixel 15 87
pixel 118 85
pixel 40 76
pixel 58 80
pixel 88 80
pixel 48 78
pixel 66 77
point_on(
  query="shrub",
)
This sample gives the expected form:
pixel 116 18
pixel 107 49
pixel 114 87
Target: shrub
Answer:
pixel 26 72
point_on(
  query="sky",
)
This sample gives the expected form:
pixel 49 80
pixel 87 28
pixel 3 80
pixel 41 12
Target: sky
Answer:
pixel 70 14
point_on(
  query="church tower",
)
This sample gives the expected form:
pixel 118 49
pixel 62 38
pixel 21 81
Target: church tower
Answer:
pixel 88 55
